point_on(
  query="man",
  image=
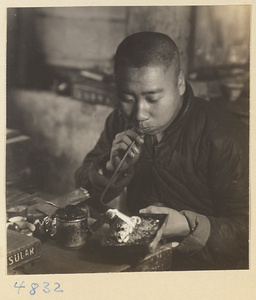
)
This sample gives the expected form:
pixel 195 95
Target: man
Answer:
pixel 189 159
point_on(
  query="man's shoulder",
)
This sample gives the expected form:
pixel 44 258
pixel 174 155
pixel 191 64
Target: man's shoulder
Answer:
pixel 116 121
pixel 116 116
pixel 218 123
pixel 208 109
pixel 216 115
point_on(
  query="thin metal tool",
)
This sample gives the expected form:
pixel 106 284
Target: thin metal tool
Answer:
pixel 113 177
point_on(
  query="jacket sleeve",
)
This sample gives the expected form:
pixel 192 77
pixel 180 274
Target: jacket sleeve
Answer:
pixel 92 174
pixel 221 240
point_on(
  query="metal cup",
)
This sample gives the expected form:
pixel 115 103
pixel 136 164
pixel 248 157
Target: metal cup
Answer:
pixel 72 233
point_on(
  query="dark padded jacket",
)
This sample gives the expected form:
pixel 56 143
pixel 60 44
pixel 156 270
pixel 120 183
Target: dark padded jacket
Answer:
pixel 200 168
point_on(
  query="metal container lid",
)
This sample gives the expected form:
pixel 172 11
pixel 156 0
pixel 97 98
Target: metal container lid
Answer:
pixel 70 212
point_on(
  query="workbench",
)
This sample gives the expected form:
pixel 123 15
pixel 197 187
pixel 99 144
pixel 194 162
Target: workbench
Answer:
pixel 89 259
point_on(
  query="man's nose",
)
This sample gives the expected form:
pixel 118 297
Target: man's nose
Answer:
pixel 142 111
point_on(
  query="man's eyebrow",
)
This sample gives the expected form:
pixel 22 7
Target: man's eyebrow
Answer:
pixel 152 92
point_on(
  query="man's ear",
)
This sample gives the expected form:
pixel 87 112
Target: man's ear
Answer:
pixel 181 83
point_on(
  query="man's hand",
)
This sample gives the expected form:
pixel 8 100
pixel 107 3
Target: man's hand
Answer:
pixel 120 145
pixel 177 224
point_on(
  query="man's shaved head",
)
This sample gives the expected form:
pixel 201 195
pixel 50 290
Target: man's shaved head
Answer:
pixel 147 49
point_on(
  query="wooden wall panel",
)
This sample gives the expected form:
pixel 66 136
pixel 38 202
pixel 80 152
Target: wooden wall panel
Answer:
pixel 80 37
pixel 83 43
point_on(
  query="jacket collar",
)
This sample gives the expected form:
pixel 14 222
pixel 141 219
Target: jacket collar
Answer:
pixel 185 109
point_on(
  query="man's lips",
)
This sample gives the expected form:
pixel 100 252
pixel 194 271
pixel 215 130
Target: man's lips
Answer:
pixel 145 129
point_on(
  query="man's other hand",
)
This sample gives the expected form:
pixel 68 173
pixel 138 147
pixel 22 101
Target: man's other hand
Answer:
pixel 176 225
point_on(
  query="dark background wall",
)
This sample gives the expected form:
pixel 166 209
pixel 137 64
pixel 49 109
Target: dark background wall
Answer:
pixel 46 44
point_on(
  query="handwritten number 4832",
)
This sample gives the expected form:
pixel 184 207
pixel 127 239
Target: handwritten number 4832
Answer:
pixel 34 286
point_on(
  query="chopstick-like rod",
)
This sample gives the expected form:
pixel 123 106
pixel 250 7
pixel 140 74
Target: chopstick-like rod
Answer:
pixel 112 179
pixel 123 159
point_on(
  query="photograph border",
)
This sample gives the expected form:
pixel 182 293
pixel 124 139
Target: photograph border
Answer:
pixel 235 284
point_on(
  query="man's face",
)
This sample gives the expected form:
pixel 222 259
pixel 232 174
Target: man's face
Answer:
pixel 150 97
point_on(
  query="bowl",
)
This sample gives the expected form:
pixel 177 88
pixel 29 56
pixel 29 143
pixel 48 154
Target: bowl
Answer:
pixel 146 243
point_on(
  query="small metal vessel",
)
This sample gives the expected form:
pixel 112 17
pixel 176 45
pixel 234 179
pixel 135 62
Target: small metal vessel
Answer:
pixel 72 229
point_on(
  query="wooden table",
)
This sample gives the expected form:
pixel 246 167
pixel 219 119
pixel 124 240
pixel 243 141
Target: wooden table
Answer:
pixel 91 259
